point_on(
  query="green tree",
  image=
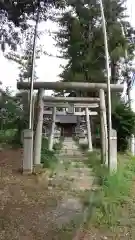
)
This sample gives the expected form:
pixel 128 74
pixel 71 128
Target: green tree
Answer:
pixel 9 34
pixel 18 11
pixel 11 118
pixel 123 120
pixel 15 17
pixel 81 41
pixel 9 110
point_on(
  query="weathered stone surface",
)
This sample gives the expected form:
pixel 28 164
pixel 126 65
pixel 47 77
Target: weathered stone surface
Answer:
pixel 73 178
pixel 66 211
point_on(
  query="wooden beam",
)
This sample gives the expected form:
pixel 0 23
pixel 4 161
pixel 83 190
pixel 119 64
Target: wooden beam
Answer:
pixel 83 86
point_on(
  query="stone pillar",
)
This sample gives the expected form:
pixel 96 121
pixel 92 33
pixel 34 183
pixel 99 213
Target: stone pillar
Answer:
pixel 38 133
pixel 90 148
pixel 27 151
pixel 113 157
pixel 52 129
pixel 103 125
pixel 71 108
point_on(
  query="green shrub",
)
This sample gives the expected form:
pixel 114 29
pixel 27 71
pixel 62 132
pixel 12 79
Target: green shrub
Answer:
pixel 21 124
pixel 7 136
pixel 114 189
pixel 123 121
pixel 76 138
pixel 12 135
pixel 83 147
pixel 58 145
pixel 48 158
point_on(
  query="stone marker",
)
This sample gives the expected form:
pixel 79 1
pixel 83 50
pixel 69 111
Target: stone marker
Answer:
pixel 113 157
pixel 27 152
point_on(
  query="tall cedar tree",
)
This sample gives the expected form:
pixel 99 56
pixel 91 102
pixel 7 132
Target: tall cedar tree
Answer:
pixel 81 40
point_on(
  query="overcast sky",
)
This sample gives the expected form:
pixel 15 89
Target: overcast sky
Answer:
pixel 48 67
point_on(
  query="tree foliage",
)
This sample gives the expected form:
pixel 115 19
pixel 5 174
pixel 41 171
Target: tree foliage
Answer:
pixel 15 17
pixel 21 10
pixel 123 120
pixel 81 42
pixel 9 110
pixel 9 34
pixel 23 57
pixel 12 116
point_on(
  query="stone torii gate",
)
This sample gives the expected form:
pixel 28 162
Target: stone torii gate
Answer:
pixel 86 87
pixel 71 106
pixel 71 109
pixel 57 100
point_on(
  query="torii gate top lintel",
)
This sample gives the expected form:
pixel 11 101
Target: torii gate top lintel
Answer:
pixel 83 86
pixel 70 100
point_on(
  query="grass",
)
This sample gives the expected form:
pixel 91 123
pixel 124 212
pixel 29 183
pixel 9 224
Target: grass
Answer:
pixel 48 158
pixel 114 191
pixel 57 146
pixel 83 146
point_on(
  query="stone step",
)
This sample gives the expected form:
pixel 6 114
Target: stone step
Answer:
pixel 69 144
pixel 71 154
pixel 70 147
pixel 67 155
pixel 71 158
pixel 70 151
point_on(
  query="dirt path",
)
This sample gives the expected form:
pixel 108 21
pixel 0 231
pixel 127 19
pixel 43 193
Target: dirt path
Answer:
pixel 33 209
pixel 24 201
pixel 30 209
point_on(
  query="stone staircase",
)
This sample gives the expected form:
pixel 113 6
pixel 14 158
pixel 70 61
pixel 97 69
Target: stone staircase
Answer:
pixel 74 179
pixel 70 148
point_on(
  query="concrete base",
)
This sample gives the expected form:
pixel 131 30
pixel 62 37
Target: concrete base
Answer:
pixel 26 172
pixel 37 168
